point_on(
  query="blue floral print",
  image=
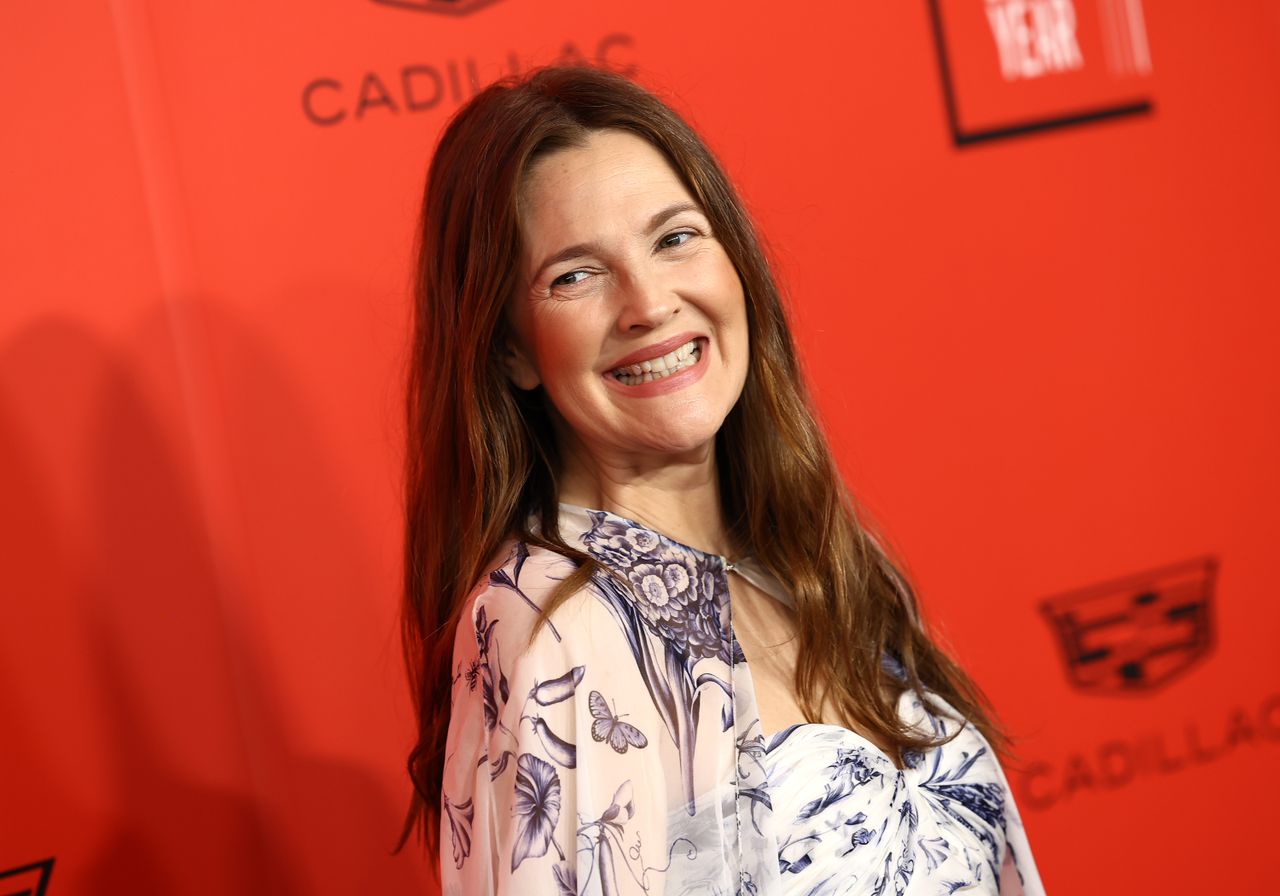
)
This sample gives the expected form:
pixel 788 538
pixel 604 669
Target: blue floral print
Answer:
pixel 677 593
pixel 537 808
pixel 677 790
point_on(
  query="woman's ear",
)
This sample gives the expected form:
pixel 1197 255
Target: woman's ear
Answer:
pixel 519 368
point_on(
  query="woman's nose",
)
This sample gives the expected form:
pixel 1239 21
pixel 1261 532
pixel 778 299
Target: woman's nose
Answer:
pixel 647 302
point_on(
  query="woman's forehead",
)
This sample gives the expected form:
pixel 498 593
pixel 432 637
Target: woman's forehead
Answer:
pixel 615 180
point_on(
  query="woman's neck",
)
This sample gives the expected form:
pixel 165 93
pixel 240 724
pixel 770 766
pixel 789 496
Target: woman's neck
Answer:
pixel 678 497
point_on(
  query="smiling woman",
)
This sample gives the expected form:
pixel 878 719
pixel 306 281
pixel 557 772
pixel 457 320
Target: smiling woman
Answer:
pixel 651 646
pixel 637 332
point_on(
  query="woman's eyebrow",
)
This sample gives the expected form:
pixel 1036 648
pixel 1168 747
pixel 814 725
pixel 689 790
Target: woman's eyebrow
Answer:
pixel 670 212
pixel 581 250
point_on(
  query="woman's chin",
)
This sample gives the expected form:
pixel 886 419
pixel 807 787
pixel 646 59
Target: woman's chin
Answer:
pixel 677 446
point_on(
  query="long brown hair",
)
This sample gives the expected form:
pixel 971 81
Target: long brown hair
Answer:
pixel 482 457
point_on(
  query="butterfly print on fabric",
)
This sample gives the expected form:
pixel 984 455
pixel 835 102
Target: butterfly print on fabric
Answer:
pixel 610 727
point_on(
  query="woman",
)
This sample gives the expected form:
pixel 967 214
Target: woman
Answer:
pixel 652 649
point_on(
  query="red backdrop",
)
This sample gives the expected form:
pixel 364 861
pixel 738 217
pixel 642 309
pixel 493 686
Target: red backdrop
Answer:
pixel 1031 254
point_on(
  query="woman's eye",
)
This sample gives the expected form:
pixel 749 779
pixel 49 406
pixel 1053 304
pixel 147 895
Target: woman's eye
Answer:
pixel 570 278
pixel 679 238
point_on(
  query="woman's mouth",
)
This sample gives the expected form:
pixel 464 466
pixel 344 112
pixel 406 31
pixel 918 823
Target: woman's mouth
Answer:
pixel 659 368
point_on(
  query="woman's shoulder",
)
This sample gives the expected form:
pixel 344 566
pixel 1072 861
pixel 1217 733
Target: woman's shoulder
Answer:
pixel 518 586
pixel 518 567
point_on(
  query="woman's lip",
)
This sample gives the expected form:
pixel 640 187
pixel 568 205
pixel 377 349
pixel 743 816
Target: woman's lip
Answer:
pixel 657 350
pixel 669 383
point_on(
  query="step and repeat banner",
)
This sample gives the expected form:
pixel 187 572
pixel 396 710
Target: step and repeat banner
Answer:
pixel 1030 249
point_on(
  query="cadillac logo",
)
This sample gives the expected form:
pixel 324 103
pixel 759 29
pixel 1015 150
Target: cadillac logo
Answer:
pixel 1136 634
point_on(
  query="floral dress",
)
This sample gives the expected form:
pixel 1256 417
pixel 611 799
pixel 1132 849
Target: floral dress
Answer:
pixel 617 750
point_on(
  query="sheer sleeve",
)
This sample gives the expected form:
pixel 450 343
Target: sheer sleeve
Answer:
pixel 551 785
pixel 1018 873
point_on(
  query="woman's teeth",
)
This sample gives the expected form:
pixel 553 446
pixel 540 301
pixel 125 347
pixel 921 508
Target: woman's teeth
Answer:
pixel 647 371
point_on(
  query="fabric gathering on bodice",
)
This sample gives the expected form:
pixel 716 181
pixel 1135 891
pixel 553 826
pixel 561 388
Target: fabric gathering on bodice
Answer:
pixel 616 749
pixel 849 821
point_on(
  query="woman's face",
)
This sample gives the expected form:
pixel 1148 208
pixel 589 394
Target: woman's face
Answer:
pixel 629 313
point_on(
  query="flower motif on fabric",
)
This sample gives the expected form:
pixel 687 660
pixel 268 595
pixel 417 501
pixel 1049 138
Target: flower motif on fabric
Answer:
pixel 678 600
pixel 537 809
pixel 676 590
pixel 620 544
pixel 665 589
